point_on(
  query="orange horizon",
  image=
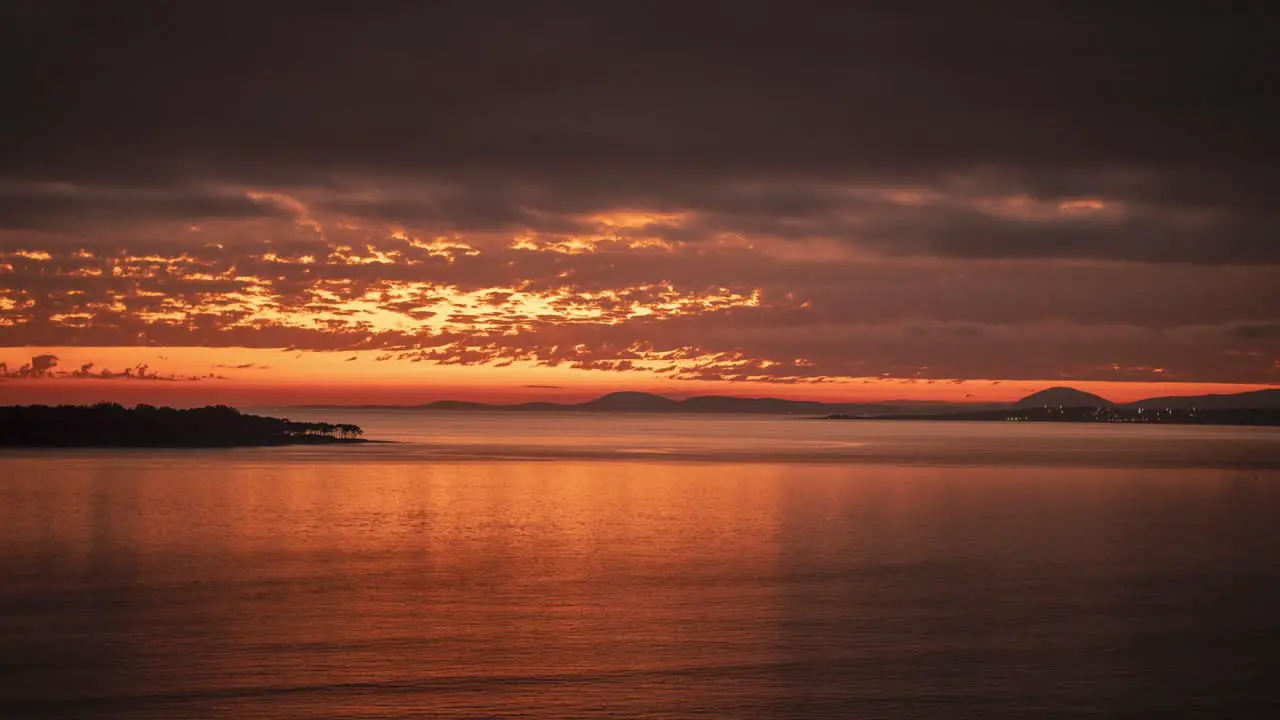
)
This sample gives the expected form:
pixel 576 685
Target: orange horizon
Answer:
pixel 188 376
pixel 186 394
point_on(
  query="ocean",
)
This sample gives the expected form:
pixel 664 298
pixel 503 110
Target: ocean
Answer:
pixel 506 565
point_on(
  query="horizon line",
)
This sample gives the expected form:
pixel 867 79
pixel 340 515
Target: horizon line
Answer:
pixel 570 404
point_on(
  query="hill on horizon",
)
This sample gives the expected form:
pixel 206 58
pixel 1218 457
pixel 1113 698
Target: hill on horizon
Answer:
pixel 1063 397
pixel 1259 399
pixel 643 402
pixel 630 401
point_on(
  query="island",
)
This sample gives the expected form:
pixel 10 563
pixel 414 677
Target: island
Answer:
pixel 1064 404
pixel 113 425
pixel 1146 416
pixel 1256 406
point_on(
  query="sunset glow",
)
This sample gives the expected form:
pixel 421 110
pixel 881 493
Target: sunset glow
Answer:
pixel 566 236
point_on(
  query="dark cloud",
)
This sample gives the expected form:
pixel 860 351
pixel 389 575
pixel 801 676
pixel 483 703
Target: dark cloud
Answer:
pixel 846 317
pixel 953 222
pixel 614 104
pixel 785 192
pixel 1258 331
pixel 33 206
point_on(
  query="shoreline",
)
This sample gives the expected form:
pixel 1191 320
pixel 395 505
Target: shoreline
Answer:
pixel 107 425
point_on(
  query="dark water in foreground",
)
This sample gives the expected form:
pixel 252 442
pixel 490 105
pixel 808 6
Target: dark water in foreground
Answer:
pixel 384 581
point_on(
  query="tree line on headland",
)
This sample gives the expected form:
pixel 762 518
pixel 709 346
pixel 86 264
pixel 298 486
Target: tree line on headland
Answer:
pixel 113 425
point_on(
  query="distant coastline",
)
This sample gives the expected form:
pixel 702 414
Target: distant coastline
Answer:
pixel 1164 416
pixel 1259 407
pixel 146 426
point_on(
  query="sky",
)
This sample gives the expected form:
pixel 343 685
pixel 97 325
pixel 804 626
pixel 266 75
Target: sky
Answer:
pixel 279 202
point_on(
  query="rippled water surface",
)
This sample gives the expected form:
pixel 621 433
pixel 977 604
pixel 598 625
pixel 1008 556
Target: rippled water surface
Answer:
pixel 940 571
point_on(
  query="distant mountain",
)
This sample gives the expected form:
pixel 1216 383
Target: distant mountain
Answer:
pixel 640 402
pixel 1257 399
pixel 631 402
pixel 456 405
pixel 1187 416
pixel 527 407
pixel 1063 397
pixel 727 404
